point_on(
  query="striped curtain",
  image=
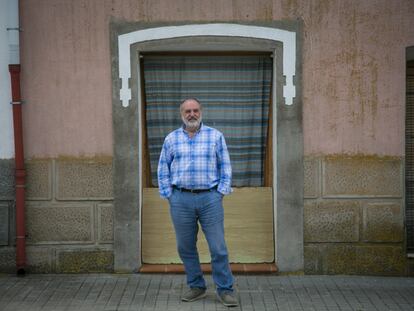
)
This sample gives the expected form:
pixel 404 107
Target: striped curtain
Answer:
pixel 235 94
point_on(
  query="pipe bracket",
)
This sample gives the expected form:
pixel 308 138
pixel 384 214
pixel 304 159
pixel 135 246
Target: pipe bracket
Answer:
pixel 17 102
pixel 15 28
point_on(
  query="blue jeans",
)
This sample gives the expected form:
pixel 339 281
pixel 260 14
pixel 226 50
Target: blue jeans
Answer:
pixel 187 209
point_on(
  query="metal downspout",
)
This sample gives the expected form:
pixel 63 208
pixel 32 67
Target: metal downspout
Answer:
pixel 20 171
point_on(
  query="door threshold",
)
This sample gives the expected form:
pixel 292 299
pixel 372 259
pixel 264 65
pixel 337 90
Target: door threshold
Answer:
pixel 236 268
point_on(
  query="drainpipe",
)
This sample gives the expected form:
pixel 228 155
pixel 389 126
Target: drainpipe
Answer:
pixel 20 172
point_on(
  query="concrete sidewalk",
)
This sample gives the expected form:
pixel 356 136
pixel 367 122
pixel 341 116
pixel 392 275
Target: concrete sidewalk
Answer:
pixel 162 292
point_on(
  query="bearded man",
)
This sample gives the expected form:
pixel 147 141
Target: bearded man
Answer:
pixel 194 173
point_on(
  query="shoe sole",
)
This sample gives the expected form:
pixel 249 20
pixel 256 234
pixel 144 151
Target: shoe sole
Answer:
pixel 227 304
pixel 195 298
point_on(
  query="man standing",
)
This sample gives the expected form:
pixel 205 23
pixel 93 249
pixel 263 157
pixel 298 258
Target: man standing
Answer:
pixel 194 173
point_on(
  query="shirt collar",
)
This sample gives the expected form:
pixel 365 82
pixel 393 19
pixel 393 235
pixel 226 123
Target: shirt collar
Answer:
pixel 198 131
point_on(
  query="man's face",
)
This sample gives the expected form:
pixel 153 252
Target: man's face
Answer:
pixel 191 114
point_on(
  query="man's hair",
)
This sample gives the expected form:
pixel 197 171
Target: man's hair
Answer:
pixel 191 98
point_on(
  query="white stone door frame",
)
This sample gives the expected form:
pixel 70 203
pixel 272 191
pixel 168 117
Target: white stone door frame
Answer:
pixel 288 252
pixel 288 38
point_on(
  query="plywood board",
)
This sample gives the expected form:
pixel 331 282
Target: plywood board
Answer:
pixel 248 228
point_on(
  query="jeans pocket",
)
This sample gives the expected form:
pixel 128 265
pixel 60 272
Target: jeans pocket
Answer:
pixel 219 193
pixel 171 196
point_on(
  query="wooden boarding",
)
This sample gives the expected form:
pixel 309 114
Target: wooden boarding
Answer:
pixel 236 268
pixel 248 228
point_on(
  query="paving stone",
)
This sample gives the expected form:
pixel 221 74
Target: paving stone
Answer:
pixel 162 292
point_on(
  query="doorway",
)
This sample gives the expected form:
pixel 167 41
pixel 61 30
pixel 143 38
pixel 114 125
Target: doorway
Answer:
pixel 281 38
pixel 235 90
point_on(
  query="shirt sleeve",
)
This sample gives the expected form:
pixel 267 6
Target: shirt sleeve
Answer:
pixel 224 167
pixel 164 176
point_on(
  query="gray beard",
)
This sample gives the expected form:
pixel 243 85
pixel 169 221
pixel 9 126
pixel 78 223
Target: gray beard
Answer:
pixel 192 125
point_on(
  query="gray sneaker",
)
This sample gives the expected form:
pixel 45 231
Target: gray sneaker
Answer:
pixel 228 299
pixel 193 294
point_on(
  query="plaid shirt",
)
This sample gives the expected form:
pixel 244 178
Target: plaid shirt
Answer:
pixel 200 162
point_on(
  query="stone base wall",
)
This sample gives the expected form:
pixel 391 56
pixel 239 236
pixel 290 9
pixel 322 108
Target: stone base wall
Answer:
pixel 354 216
pixel 410 267
pixel 69 215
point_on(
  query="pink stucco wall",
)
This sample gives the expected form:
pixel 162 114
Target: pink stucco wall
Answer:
pixel 353 68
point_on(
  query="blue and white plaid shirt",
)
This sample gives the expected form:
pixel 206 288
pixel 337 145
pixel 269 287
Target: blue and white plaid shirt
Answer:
pixel 200 162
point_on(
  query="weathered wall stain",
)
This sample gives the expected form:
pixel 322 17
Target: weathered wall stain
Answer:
pixel 353 68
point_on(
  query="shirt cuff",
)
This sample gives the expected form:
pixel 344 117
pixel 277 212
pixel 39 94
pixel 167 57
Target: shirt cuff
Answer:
pixel 224 190
pixel 165 194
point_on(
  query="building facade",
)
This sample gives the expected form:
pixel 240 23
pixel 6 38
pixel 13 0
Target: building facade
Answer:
pixel 333 196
